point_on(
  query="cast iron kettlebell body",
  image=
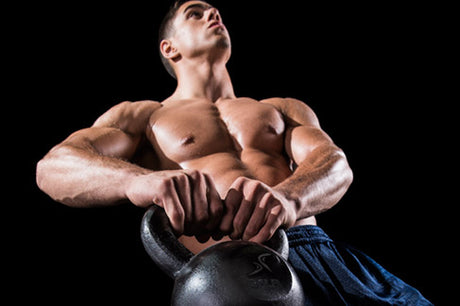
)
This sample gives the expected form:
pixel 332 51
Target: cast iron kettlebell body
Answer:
pixel 229 273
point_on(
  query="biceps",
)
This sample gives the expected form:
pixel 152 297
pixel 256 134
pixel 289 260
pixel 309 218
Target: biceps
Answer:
pixel 301 141
pixel 105 141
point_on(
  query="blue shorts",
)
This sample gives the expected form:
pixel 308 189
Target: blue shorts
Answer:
pixel 334 274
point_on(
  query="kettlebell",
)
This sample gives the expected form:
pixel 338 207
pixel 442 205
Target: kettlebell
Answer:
pixel 228 273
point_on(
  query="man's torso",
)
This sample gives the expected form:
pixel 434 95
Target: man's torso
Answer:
pixel 226 140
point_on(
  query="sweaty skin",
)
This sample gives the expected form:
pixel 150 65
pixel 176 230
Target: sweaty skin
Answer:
pixel 220 166
pixel 229 139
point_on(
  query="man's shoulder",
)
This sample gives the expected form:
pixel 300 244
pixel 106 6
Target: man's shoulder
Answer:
pixel 293 109
pixel 135 108
pixel 282 101
pixel 286 103
pixel 128 115
pixel 141 105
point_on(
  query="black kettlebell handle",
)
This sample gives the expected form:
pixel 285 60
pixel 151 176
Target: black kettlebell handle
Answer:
pixel 170 255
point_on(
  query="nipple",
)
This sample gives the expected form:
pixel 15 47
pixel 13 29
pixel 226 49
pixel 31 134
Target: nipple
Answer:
pixel 188 140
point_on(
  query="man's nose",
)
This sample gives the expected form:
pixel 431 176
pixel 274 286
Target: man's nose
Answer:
pixel 212 14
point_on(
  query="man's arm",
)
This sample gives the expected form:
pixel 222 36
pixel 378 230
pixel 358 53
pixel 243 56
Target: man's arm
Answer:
pixel 90 167
pixel 322 175
pixel 320 179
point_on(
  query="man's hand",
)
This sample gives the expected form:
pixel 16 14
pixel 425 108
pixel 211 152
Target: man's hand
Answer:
pixel 254 211
pixel 189 198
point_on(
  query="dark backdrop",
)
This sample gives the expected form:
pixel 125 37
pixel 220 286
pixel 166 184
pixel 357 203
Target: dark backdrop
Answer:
pixel 363 69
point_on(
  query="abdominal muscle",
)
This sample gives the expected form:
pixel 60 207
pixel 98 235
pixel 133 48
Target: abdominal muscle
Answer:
pixel 225 168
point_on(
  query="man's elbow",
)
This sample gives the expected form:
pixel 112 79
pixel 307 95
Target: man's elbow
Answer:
pixel 42 176
pixel 340 169
pixel 47 173
pixel 346 174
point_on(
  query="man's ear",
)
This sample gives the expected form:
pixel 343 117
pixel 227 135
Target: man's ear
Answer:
pixel 168 50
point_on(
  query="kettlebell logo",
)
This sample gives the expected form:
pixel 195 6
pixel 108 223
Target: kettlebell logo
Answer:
pixel 261 264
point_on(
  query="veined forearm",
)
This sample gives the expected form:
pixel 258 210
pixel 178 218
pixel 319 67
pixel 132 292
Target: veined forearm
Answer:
pixel 82 178
pixel 318 183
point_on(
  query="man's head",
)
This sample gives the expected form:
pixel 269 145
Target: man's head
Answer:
pixel 190 29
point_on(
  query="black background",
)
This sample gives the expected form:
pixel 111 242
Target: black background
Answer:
pixel 368 71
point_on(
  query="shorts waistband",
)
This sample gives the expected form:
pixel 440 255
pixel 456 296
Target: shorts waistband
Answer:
pixel 306 234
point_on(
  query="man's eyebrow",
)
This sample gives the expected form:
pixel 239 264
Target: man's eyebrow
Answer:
pixel 197 5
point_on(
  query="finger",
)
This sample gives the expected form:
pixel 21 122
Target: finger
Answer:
pixel 202 238
pixel 217 235
pixel 183 190
pixel 174 210
pixel 274 221
pixel 242 218
pixel 254 191
pixel 215 205
pixel 232 203
pixel 200 201
pixel 258 217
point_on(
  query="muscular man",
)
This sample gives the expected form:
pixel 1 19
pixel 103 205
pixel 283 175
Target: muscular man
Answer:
pixel 221 166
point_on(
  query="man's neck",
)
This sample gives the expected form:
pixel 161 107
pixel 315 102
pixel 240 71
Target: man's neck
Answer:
pixel 203 81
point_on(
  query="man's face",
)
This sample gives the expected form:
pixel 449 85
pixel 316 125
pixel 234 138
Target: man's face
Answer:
pixel 198 29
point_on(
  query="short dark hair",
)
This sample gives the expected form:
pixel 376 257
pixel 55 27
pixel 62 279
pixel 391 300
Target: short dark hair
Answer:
pixel 166 30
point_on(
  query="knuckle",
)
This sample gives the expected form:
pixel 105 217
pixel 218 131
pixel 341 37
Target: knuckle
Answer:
pixel 239 182
pixel 181 178
pixel 167 182
pixel 232 208
pixel 266 202
pixel 177 215
pixel 277 210
pixel 217 210
pixel 254 185
pixel 250 231
pixel 207 177
pixel 165 186
pixel 194 174
pixel 202 217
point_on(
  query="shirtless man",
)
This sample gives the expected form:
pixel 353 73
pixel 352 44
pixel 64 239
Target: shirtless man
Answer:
pixel 207 142
pixel 221 166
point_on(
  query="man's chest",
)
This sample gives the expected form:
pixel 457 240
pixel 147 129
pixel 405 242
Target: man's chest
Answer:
pixel 194 129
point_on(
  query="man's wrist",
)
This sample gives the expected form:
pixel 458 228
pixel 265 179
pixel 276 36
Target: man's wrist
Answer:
pixel 291 203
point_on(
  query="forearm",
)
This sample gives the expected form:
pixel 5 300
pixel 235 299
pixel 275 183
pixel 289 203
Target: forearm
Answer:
pixel 319 182
pixel 83 178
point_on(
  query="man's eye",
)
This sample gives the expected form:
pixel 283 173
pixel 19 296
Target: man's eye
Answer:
pixel 194 14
